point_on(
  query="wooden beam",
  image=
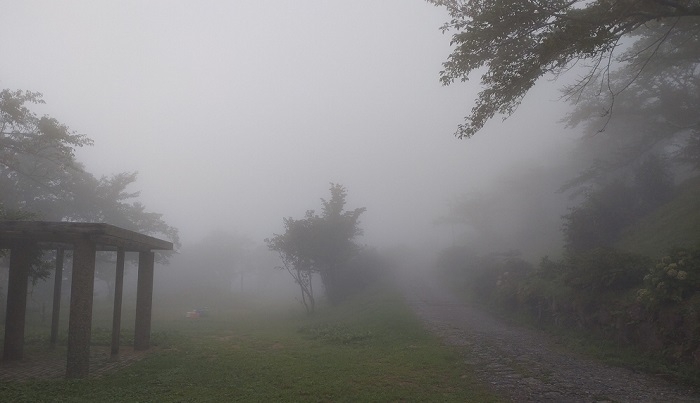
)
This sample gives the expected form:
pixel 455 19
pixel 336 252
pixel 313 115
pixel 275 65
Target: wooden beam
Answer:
pixel 20 260
pixel 117 314
pixel 105 236
pixel 144 301
pixel 56 308
pixel 80 319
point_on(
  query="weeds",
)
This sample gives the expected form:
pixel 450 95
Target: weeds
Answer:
pixel 335 333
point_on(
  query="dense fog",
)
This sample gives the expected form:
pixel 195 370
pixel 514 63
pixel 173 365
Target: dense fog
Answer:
pixel 339 179
pixel 237 115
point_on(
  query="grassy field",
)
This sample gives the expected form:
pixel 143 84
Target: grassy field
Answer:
pixel 371 349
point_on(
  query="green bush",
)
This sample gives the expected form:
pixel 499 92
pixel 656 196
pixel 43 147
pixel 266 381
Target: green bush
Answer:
pixel 599 219
pixel 543 293
pixel 605 293
pixel 510 273
pixel 604 269
pixel 354 276
pixel 675 278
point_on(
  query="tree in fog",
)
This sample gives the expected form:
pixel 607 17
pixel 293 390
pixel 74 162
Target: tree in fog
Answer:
pixel 640 83
pixel 36 153
pixel 109 200
pixel 40 178
pixel 295 251
pixel 517 42
pixel 604 213
pixel 36 156
pixel 335 231
pixel 517 211
pixel 218 259
pixel 24 134
pixel 40 175
pixel 320 244
pixel 656 114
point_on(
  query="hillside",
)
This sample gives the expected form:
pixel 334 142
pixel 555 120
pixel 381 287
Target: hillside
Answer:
pixel 676 223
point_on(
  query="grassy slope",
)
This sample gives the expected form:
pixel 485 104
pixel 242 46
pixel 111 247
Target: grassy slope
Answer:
pixel 676 223
pixel 373 349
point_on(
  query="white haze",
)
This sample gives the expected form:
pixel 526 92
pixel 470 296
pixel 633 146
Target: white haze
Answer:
pixel 239 113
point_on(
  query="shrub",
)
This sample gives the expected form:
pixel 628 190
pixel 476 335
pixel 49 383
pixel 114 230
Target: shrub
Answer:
pixel 604 269
pixel 510 273
pixel 364 269
pixel 544 294
pixel 598 221
pixel 675 278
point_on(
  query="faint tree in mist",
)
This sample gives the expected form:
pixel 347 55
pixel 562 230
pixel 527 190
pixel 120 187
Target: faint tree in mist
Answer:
pixel 320 244
pixel 40 178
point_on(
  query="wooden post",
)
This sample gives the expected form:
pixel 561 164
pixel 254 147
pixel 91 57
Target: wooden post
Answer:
pixel 118 290
pixel 56 308
pixel 20 256
pixel 80 319
pixel 144 301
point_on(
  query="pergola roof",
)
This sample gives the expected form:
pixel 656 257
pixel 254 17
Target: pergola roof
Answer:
pixel 104 236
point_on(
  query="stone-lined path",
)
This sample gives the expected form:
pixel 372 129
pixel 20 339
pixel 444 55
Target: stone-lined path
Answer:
pixel 524 365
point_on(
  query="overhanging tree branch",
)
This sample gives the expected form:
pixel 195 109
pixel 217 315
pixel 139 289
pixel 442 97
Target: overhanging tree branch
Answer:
pixel 520 41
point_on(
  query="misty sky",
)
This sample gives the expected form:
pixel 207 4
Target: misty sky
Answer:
pixel 239 113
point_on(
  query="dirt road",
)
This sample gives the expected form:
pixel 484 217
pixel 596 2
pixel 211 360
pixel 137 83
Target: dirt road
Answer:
pixel 524 365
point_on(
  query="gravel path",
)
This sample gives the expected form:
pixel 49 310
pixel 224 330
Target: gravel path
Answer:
pixel 524 365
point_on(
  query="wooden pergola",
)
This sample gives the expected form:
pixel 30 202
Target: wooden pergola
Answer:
pixel 22 238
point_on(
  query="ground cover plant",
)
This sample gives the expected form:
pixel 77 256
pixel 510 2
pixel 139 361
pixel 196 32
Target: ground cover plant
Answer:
pixel 622 308
pixel 626 293
pixel 371 348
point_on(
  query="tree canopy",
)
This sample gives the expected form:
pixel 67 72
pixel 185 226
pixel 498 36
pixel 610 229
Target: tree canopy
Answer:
pixel 24 135
pixel 40 177
pixel 515 43
pixel 319 244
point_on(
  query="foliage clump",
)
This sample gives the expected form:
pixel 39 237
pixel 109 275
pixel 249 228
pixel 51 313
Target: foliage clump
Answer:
pixel 515 43
pixel 618 296
pixel 608 209
pixel 325 245
pixel 41 179
pixel 674 279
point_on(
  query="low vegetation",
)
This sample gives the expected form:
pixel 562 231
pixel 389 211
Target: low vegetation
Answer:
pixel 371 348
pixel 675 224
pixel 638 312
pixel 640 309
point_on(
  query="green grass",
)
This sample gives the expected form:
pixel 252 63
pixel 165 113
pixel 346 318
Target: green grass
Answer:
pixel 675 224
pixel 370 349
